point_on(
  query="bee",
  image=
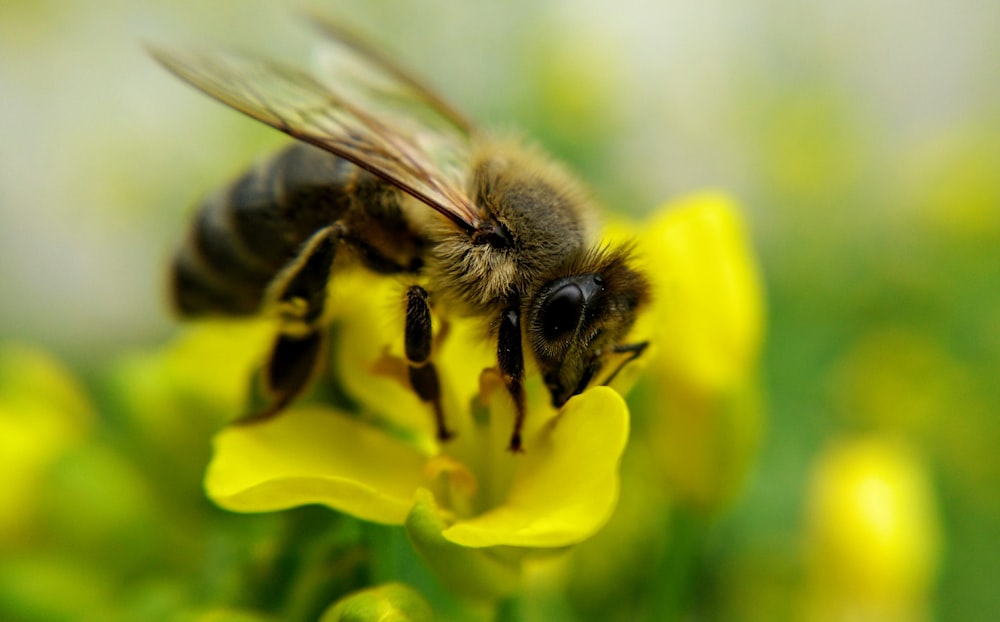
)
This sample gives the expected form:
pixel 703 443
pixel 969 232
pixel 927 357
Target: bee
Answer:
pixel 386 175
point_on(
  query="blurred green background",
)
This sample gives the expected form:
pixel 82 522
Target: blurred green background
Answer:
pixel 862 139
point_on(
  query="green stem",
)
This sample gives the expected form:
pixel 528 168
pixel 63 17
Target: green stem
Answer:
pixel 508 609
pixel 673 591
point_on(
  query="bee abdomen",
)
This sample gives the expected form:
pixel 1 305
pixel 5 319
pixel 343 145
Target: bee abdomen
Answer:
pixel 243 236
pixel 197 290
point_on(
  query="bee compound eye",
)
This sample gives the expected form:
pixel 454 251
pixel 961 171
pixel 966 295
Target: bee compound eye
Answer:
pixel 561 311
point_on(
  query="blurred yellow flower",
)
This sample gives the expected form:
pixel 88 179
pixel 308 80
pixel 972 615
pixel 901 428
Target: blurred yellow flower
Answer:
pixel 161 389
pixel 708 318
pixel 873 536
pixel 44 412
pixel 708 306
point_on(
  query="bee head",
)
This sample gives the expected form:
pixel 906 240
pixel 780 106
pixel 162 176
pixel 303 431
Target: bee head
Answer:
pixel 574 320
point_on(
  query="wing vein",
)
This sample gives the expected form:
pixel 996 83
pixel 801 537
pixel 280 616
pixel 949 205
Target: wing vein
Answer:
pixel 354 120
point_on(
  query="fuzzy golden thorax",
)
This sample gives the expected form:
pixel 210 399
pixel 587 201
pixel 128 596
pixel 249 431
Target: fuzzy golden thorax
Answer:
pixel 541 215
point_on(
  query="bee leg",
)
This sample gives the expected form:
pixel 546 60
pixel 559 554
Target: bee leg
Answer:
pixel 510 359
pixel 301 294
pixel 293 362
pixel 634 350
pixel 302 286
pixel 418 338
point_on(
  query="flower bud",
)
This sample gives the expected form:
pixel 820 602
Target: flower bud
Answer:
pixel 392 602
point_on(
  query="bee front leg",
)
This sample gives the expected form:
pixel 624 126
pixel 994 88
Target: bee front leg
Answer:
pixel 300 292
pixel 634 351
pixel 510 359
pixel 418 338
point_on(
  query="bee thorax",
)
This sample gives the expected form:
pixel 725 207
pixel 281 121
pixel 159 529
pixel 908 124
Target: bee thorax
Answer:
pixel 472 278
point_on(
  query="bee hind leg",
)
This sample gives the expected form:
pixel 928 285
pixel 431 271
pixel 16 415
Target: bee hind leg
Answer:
pixel 418 338
pixel 300 293
pixel 292 364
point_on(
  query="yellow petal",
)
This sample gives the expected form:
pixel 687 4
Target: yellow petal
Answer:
pixel 368 350
pixel 474 574
pixel 211 362
pixel 177 394
pixel 314 455
pixel 707 294
pixel 565 484
pixel 705 442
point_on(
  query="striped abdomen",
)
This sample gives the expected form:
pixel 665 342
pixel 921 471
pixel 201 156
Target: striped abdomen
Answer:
pixel 243 236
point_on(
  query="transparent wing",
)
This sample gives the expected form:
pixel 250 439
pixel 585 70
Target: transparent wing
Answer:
pixel 378 123
pixel 381 73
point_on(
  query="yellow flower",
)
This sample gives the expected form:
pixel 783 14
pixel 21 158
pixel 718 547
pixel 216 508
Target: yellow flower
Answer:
pixel 709 305
pixel 708 320
pixel 383 464
pixel 472 509
pixel 872 533
pixel 44 413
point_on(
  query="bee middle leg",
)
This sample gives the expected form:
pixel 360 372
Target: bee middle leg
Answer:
pixel 300 293
pixel 418 339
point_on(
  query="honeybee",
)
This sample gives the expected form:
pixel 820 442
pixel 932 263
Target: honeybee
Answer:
pixel 386 174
